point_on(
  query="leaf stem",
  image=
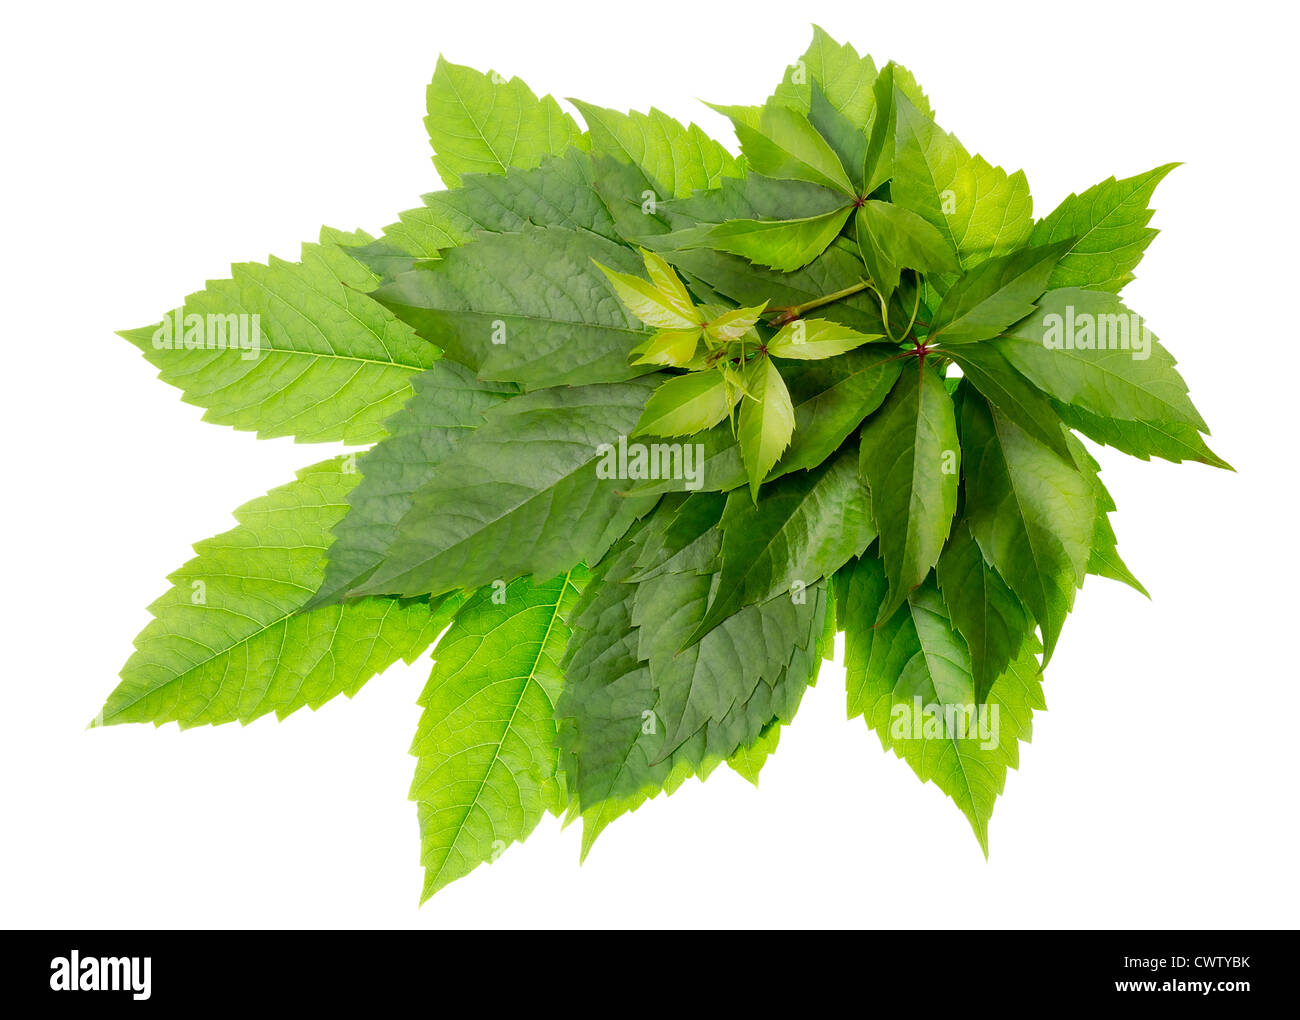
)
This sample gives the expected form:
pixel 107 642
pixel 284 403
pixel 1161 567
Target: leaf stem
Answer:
pixel 793 312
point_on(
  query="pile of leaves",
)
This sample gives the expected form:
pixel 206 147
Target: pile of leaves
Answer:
pixel 647 425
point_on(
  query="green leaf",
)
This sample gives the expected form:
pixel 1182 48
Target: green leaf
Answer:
pixel 485 746
pixel 785 145
pixel 231 640
pixel 893 82
pixel 784 245
pixel 1127 374
pixel 980 210
pixel 993 295
pixel 529 307
pixel 992 621
pixel 1105 560
pixel 481 123
pixel 558 193
pixel 320 361
pixel 526 494
pixel 686 404
pixel 992 374
pixel 844 77
pixel 845 135
pixel 1170 440
pixel 449 403
pixel 766 420
pixel 733 323
pixel 892 238
pixel 749 761
pixel 910 462
pixel 909 676
pixel 1107 228
pixel 814 339
pixel 802 529
pixel 613 730
pixel 676 160
pixel 1032 514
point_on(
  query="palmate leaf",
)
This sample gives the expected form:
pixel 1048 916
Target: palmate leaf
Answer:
pixel 232 641
pixel 329 362
pixel 895 444
pixel 915 661
pixel 1107 228
pixel 482 123
pixel 522 495
pixel 530 307
pixel 485 746
pixel 910 461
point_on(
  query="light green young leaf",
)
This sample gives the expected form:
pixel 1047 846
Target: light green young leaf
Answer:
pixel 653 306
pixel 814 339
pixel 482 123
pixel 784 245
pixel 231 639
pixel 910 462
pixel 669 347
pixel 485 746
pixel 320 361
pixel 1127 374
pixel 766 420
pixel 686 404
pixel 1107 228
pixel 733 323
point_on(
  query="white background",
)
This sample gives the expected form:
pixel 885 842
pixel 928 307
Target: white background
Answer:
pixel 147 147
